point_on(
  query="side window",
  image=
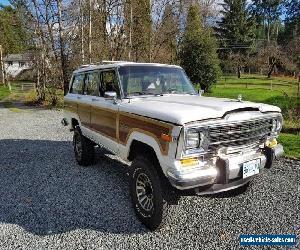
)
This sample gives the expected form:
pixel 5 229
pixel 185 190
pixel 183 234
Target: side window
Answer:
pixel 109 82
pixel 77 85
pixel 92 83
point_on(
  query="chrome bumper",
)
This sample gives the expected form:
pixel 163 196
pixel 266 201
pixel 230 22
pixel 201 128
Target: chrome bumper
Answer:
pixel 224 172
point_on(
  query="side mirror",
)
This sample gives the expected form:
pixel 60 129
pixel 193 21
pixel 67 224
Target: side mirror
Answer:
pixel 110 95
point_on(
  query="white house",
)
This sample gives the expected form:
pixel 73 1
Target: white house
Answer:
pixel 14 64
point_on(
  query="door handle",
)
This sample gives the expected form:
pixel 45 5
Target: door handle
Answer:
pixel 94 100
pixel 78 97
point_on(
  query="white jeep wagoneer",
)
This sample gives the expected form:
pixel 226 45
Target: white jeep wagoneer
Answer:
pixel 176 139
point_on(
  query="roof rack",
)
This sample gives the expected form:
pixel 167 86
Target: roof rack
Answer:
pixel 101 63
pixel 85 66
pixel 107 62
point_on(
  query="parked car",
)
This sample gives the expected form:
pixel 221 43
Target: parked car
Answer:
pixel 177 140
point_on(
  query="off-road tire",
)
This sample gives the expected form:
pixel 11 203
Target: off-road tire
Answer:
pixel 157 216
pixel 86 155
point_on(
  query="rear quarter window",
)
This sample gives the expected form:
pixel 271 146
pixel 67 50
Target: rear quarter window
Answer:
pixel 77 85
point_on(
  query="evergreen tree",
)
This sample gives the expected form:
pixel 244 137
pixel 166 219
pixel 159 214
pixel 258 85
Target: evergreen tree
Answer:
pixel 198 54
pixel 292 21
pixel 267 14
pixel 236 26
pixel 13 36
pixel 166 41
pixel 236 31
pixel 139 29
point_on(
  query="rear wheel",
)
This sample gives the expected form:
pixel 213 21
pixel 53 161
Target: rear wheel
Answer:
pixel 83 148
pixel 147 194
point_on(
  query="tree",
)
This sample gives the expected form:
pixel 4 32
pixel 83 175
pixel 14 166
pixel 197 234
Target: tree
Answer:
pixel 267 14
pixel 13 36
pixel 164 34
pixel 198 51
pixel 139 29
pixel 272 56
pixel 236 32
pixel 291 22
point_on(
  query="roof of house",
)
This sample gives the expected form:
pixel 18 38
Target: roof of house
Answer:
pixel 17 57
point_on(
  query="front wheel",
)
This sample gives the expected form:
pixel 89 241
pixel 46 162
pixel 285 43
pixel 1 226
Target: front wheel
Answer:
pixel 83 148
pixel 147 195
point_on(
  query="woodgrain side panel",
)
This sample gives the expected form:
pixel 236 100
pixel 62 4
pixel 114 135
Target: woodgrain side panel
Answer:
pixel 129 123
pixel 104 121
pixel 84 114
pixel 70 106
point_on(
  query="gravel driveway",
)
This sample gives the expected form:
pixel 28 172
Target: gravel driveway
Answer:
pixel 48 202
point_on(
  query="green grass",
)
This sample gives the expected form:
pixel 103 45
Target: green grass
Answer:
pixel 291 144
pixel 4 92
pixel 286 85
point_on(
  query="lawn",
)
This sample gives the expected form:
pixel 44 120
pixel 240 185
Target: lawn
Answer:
pixel 287 85
pixel 291 144
pixel 4 92
pixel 283 94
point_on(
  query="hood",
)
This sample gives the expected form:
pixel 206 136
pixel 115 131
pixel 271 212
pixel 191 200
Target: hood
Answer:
pixel 181 109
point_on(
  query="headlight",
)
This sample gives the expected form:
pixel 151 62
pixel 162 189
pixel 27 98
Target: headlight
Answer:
pixel 192 139
pixel 276 125
pixel 197 139
pixel 279 125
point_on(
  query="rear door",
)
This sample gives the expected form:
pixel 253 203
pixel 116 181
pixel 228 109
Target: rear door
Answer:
pixel 90 94
pixel 74 101
pixel 83 105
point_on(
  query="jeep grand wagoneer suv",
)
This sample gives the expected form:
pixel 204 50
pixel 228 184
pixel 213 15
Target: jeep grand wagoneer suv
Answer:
pixel 176 139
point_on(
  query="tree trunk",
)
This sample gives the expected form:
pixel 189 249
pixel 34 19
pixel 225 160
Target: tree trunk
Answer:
pixel 90 31
pixel 239 72
pixel 271 70
pixel 2 66
pixel 82 33
pixel 62 49
pixel 130 33
pixel 268 30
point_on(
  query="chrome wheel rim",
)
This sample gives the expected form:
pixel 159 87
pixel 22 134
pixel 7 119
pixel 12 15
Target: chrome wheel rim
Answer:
pixel 144 192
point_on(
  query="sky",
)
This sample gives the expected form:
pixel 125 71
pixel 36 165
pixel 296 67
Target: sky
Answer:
pixel 4 2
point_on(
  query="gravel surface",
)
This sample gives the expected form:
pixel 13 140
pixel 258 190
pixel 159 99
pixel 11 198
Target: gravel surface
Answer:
pixel 47 201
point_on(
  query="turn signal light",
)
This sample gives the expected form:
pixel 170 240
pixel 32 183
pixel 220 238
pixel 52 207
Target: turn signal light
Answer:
pixel 166 137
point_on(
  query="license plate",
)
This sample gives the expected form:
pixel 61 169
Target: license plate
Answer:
pixel 251 168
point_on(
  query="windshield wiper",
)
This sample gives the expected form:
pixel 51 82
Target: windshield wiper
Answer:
pixel 174 91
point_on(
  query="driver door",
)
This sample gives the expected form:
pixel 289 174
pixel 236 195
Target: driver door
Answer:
pixel 104 112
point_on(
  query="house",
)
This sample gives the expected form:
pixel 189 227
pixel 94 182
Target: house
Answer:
pixel 14 64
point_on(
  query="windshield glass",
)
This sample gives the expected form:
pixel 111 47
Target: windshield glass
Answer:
pixel 154 80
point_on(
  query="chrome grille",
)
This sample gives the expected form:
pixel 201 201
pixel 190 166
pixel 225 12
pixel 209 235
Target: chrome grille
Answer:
pixel 241 133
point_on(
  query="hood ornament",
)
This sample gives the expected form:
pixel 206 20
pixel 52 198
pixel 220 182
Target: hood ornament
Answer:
pixel 240 98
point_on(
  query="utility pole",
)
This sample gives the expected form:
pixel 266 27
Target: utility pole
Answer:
pixel 2 65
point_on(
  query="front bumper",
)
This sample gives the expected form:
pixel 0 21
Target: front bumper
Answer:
pixel 224 172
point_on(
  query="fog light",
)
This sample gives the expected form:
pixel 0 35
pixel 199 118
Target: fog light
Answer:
pixel 271 143
pixel 189 162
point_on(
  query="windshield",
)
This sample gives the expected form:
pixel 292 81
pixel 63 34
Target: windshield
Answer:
pixel 154 80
